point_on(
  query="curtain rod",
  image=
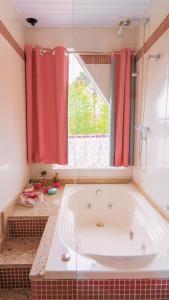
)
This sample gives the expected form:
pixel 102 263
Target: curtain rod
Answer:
pixel 45 50
pixel 89 52
pixel 96 53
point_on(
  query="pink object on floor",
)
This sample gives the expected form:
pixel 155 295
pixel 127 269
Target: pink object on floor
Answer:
pixel 47 105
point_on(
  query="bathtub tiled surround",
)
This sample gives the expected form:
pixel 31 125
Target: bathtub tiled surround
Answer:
pixel 24 221
pixel 19 251
pixel 39 265
pixel 14 277
pixel 26 227
pixel 122 289
pixel 16 259
pixel 81 289
pixel 18 294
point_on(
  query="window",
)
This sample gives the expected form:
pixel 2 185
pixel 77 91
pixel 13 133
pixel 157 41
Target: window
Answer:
pixel 88 119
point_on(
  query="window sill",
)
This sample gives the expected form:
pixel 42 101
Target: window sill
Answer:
pixel 108 172
pixel 60 168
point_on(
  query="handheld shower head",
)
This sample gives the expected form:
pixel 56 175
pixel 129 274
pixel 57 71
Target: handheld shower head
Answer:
pixel 121 25
pixel 124 23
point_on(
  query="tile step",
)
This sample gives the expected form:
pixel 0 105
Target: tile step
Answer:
pixel 15 294
pixel 19 251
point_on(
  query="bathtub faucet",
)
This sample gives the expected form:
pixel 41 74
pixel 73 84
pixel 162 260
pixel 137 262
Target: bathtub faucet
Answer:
pixel 99 192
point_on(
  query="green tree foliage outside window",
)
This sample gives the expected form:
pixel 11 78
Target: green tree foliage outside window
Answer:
pixel 88 112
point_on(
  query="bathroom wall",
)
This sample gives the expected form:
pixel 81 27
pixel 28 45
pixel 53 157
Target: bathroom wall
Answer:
pixel 13 165
pixel 102 39
pixel 151 172
pixel 81 38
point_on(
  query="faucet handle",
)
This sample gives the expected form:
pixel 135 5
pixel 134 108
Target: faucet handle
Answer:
pixel 99 192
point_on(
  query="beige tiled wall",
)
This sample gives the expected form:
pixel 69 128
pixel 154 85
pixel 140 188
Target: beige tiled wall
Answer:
pixel 81 38
pixel 13 163
pixel 152 171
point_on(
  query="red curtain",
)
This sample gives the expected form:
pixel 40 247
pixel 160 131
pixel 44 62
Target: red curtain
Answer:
pixel 47 105
pixel 122 107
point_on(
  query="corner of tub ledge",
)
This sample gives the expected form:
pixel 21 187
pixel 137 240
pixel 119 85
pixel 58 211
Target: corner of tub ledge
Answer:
pixel 39 264
pixel 151 201
pixel 36 277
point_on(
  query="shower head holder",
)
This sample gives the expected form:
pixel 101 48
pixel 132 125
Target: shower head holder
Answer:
pixel 154 56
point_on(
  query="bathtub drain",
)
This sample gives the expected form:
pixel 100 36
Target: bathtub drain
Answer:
pixel 99 224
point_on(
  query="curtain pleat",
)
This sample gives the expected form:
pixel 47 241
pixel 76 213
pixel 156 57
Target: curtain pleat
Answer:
pixel 122 110
pixel 47 105
pixel 132 111
pixel 112 110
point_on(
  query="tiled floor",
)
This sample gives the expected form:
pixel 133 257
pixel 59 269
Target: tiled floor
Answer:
pixel 19 251
pixel 15 294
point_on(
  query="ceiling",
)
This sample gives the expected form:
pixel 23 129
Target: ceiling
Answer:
pixel 80 12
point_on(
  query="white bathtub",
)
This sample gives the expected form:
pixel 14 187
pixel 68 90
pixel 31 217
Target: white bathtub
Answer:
pixel 110 229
